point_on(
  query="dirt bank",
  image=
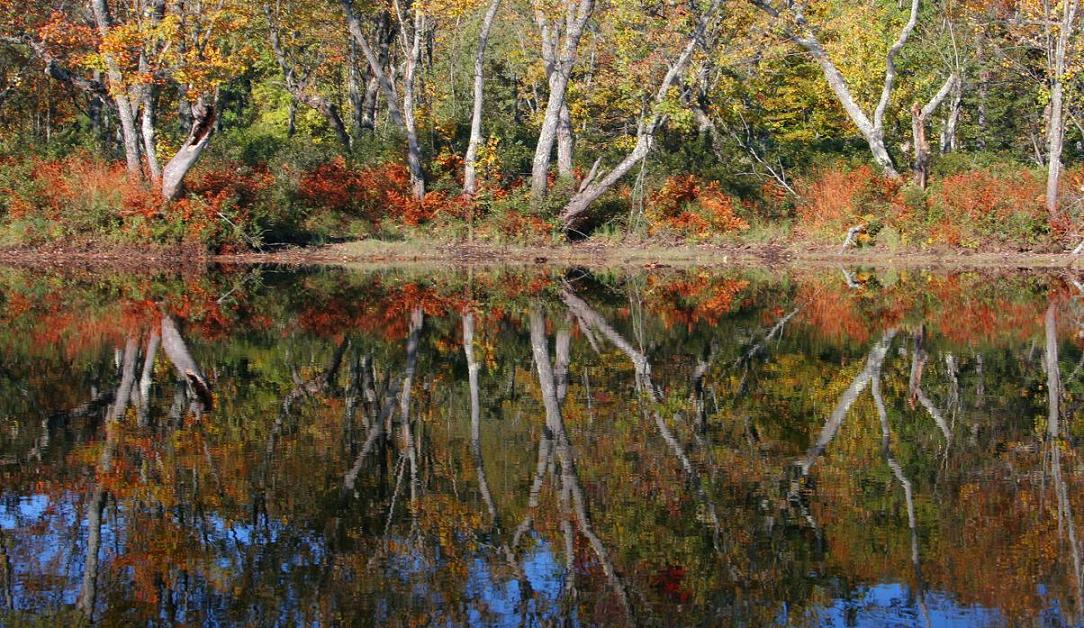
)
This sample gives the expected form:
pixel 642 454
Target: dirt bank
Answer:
pixel 382 253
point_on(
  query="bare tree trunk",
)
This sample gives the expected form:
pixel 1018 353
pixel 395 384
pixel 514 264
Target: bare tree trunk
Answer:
pixel 871 130
pixel 950 130
pixel 397 113
pixel 919 115
pixel 1055 129
pixel 355 80
pixel 414 153
pixel 121 98
pixel 299 87
pixel 590 190
pixel 565 143
pixel 470 168
pixel 150 148
pixel 203 126
pixel 559 72
pixel 149 97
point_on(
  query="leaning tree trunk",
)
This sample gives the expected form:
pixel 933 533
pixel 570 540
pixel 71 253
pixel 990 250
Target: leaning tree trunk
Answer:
pixel 299 87
pixel 591 190
pixel 470 169
pixel 203 127
pixel 871 129
pixel 398 115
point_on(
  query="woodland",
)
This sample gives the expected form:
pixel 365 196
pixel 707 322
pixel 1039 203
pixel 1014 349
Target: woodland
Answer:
pixel 224 125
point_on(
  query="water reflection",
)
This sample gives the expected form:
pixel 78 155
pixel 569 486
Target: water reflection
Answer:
pixel 505 447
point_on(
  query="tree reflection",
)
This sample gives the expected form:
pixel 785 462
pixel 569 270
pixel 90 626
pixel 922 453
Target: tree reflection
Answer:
pixel 342 448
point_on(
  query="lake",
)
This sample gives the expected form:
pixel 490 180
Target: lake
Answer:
pixel 508 446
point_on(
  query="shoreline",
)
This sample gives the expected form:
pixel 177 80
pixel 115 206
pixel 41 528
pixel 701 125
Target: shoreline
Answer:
pixel 376 253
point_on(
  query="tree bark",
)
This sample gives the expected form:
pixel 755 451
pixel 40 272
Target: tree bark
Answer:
pixel 1055 129
pixel 871 129
pixel 919 115
pixel 950 131
pixel 591 191
pixel 470 168
pixel 559 73
pixel 414 153
pixel 125 110
pixel 398 115
pixel 566 143
pixel 299 86
pixel 203 126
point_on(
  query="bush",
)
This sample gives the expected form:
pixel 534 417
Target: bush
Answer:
pixel 833 200
pixel 1004 205
pixel 687 206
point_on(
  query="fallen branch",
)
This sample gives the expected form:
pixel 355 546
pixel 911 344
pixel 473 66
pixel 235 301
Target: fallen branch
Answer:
pixel 851 234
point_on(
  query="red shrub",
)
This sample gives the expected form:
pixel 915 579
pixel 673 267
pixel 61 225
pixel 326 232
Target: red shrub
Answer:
pixel 980 194
pixel 834 197
pixel 688 205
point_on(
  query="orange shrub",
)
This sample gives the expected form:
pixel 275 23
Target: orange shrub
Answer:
pixel 336 186
pixel 374 192
pixel 834 198
pixel 686 204
pixel 980 194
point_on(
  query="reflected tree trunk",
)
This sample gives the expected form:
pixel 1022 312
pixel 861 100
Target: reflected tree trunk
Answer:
pixel 1054 434
pixel 919 358
pixel 564 453
pixel 908 494
pixel 146 378
pixel 473 370
pixel 88 592
pixel 177 351
pixel 417 319
pixel 643 370
pixel 846 400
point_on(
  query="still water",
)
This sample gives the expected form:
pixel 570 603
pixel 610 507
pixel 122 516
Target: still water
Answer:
pixel 263 446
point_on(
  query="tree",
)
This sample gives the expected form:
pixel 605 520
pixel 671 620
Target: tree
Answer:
pixel 791 18
pixel 470 168
pixel 595 185
pixel 412 31
pixel 302 53
pixel 561 26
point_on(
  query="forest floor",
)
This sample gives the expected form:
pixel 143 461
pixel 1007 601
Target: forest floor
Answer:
pixel 375 253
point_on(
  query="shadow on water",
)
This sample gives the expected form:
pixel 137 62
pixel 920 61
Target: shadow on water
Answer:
pixel 265 446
